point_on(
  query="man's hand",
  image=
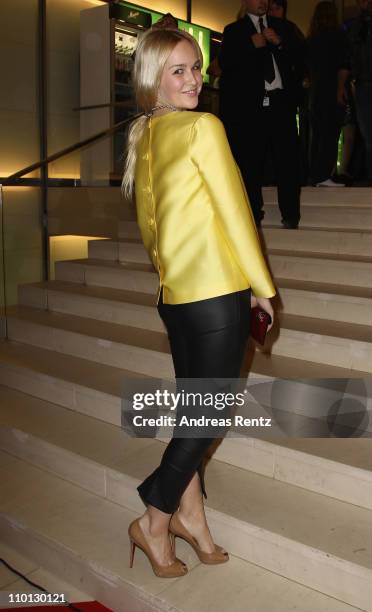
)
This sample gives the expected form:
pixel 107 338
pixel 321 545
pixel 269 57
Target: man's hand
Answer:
pixel 259 40
pixel 272 37
pixel 265 304
pixel 342 77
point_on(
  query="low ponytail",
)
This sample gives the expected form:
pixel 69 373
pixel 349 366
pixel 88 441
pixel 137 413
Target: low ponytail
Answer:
pixel 135 133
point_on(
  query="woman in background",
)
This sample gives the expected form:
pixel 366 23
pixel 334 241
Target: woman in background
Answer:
pixel 199 231
pixel 326 57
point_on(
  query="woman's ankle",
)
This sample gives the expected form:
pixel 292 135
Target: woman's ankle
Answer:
pixel 192 515
pixel 155 525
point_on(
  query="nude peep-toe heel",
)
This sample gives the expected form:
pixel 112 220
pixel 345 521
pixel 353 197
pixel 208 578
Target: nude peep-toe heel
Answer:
pixel 177 529
pixel 137 538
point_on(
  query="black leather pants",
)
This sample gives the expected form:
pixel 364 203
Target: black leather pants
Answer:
pixel 207 340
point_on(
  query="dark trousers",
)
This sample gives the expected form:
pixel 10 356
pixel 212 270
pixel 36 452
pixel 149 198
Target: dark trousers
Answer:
pixel 363 102
pixel 271 128
pixel 325 127
pixel 207 340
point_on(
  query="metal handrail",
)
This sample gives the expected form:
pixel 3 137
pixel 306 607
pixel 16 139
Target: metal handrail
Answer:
pixel 70 149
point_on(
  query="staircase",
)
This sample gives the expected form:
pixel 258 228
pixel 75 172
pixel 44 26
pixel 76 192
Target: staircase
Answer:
pixel 294 513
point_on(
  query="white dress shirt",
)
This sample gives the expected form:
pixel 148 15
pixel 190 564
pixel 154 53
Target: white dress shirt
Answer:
pixel 277 82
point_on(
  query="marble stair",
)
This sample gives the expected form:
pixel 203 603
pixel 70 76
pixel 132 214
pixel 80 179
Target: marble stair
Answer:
pixel 66 476
pixel 300 529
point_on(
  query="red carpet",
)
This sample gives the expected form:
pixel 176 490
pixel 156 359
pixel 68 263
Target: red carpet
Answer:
pixel 87 606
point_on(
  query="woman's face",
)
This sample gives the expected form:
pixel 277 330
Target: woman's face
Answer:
pixel 181 81
pixel 276 11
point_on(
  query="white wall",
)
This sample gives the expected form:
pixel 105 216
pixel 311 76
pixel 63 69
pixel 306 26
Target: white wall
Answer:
pixel 19 141
pixel 214 15
pixel 63 41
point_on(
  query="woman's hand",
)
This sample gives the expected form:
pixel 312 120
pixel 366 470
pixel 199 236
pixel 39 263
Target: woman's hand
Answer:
pixel 265 304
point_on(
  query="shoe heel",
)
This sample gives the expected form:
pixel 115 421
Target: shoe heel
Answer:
pixel 131 553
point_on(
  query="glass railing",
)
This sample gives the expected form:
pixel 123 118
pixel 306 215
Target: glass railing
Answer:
pixel 43 222
pixel 2 272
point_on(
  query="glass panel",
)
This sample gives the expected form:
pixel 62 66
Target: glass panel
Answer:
pixel 22 239
pixel 91 206
pixel 2 275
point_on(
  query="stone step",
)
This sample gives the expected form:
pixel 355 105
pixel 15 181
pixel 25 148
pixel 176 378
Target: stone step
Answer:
pixel 135 349
pixel 129 250
pixel 95 390
pixel 312 539
pixel 330 196
pixel 325 300
pixel 321 270
pixel 139 276
pixel 82 385
pixel 342 245
pixel 102 303
pixel 331 343
pixel 133 277
pixel 93 554
pixel 324 209
pixel 334 217
pixel 316 300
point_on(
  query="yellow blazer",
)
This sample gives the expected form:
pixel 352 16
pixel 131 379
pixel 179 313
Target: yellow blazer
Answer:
pixel 193 211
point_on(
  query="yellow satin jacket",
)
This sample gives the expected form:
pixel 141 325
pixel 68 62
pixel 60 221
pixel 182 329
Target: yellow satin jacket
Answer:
pixel 193 211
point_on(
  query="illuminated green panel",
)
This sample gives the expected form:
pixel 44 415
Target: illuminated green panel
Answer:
pixel 202 35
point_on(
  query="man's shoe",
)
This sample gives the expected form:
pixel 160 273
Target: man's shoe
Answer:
pixel 329 183
pixel 290 224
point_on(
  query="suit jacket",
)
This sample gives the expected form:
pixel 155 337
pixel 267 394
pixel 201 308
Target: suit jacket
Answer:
pixel 193 211
pixel 242 83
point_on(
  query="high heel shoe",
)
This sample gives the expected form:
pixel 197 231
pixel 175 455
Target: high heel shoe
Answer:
pixel 137 538
pixel 177 529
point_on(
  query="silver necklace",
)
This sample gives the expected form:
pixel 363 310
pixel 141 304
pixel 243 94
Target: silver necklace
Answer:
pixel 170 106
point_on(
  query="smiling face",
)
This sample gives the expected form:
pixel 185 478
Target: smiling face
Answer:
pixel 181 81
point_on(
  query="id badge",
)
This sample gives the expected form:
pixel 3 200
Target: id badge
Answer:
pixel 266 101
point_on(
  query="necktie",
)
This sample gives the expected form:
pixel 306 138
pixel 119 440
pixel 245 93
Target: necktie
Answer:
pixel 269 70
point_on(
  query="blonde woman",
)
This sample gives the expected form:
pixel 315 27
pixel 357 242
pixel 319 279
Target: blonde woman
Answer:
pixel 198 229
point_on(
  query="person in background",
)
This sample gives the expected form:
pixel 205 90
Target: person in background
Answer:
pixel 279 9
pixel 168 22
pixel 360 40
pixel 258 104
pixel 326 58
pixel 349 137
pixel 214 71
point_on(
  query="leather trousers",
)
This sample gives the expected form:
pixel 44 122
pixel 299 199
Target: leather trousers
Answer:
pixel 207 340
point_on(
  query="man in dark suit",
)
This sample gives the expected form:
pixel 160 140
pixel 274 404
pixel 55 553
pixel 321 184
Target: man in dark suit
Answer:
pixel 258 100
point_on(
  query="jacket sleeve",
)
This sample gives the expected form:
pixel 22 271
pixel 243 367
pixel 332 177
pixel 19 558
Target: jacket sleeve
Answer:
pixel 211 154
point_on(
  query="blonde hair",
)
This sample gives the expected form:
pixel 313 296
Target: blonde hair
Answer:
pixel 152 53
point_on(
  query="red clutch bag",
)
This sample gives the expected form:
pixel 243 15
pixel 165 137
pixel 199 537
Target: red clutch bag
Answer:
pixel 260 321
